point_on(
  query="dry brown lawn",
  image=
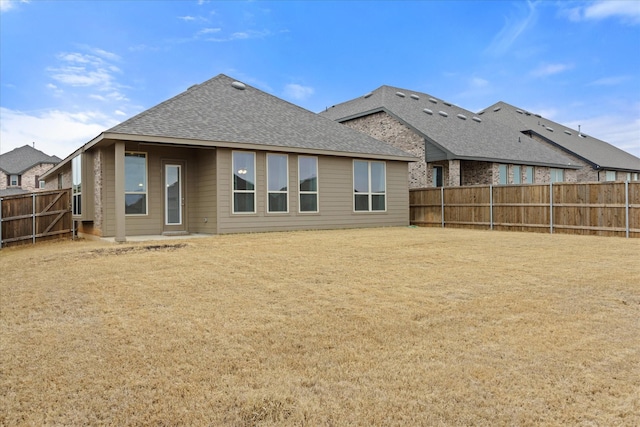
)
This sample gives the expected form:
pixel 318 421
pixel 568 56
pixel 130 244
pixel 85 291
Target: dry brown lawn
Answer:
pixel 373 327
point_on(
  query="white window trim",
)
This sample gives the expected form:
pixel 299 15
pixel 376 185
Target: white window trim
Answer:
pixel 146 180
pixel 608 177
pixel 234 191
pixel 526 174
pixel 316 193
pixel 166 194
pixel 517 177
pixel 501 167
pixel 553 172
pixel 11 184
pixel 369 193
pixel 269 192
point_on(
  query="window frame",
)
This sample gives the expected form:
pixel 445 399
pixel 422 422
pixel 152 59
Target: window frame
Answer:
pixel 146 183
pixel 553 175
pixel 315 192
pixel 369 193
pixel 11 180
pixel 438 172
pixel 234 191
pixel 503 174
pixel 285 192
pixel 609 176
pixel 529 175
pixel 517 174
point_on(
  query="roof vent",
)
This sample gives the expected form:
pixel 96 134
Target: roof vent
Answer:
pixel 462 116
pixel 476 119
pixel 497 109
pixel 428 111
pixel 414 96
pixel 443 114
pixel 447 103
pixel 519 111
pixel 567 132
pixel 239 85
pixel 400 94
pixel 435 101
pixel 481 113
pixel 192 87
pixel 366 95
pixel 538 115
pixel 549 129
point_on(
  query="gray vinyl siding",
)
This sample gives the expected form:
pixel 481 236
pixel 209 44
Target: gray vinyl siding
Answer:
pixel 335 185
pixel 203 200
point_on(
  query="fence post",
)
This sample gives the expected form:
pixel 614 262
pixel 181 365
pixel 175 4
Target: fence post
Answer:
pixel 33 218
pixel 0 222
pixel 490 207
pixel 551 207
pixel 626 207
pixel 442 206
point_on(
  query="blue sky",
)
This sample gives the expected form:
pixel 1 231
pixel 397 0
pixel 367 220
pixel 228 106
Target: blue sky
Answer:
pixel 71 69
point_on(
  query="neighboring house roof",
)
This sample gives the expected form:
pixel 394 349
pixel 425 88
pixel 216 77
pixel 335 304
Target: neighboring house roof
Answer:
pixel 598 153
pixel 20 160
pixel 12 191
pixel 460 133
pixel 224 110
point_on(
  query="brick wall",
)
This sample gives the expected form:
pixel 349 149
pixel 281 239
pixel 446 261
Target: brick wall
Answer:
pixel 385 128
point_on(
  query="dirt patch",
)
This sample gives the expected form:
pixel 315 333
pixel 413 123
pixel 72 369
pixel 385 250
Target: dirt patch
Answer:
pixel 140 248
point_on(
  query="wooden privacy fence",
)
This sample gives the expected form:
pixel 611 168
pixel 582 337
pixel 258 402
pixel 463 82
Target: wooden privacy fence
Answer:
pixel 33 217
pixel 603 208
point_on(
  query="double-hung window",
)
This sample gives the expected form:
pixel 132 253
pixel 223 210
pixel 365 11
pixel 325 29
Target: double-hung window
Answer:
pixel 529 175
pixel 610 176
pixel 14 180
pixel 244 182
pixel 308 183
pixel 277 182
pixel 557 175
pixel 76 185
pixel 135 183
pixel 517 177
pixel 369 186
pixel 503 178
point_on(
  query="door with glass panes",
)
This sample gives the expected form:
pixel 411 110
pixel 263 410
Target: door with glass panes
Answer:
pixel 174 196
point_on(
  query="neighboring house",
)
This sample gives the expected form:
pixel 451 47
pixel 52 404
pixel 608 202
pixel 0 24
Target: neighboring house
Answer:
pixel 22 168
pixel 224 157
pixel 456 146
pixel 599 160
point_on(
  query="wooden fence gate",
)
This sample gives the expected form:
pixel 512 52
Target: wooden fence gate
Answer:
pixel 33 217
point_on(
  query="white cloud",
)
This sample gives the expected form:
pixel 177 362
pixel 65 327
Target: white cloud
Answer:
pixel 55 132
pixel 187 18
pixel 627 10
pixel 6 5
pixel 478 82
pixel 512 29
pixel 298 92
pixel 609 81
pixel 550 69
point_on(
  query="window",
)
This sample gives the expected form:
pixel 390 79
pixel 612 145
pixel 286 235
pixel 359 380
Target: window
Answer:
pixel 277 182
pixel 610 176
pixel 369 186
pixel 14 180
pixel 556 175
pixel 76 187
pixel 244 178
pixel 308 183
pixel 517 177
pixel 502 174
pixel 528 175
pixel 635 176
pixel 437 176
pixel 135 183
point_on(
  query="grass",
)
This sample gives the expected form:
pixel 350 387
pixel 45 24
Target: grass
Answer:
pixel 392 326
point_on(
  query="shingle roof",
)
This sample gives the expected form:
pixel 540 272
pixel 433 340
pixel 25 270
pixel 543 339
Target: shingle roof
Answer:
pixel 459 132
pixel 217 110
pixel 21 159
pixel 597 152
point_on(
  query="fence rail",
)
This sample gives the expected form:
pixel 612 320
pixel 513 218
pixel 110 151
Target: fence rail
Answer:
pixel 33 217
pixel 605 209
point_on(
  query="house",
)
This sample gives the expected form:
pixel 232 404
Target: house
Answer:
pixel 456 146
pixel 21 169
pixel 224 157
pixel 598 160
